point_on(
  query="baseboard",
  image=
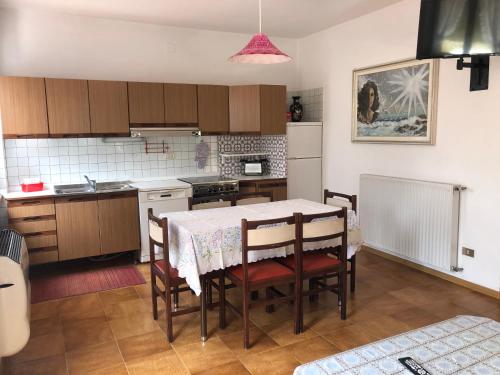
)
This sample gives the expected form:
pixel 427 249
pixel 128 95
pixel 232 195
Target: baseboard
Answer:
pixel 467 284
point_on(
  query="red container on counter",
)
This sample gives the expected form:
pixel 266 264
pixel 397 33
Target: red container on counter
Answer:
pixel 28 188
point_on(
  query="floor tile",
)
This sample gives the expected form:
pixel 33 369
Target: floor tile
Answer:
pixel 94 358
pixel 198 356
pixel 45 310
pixel 80 307
pixel 283 333
pixel 312 349
pixel 133 325
pixel 42 346
pixel 127 308
pixel 232 368
pixel 55 365
pixel 259 342
pixel 45 326
pixel 113 296
pixel 161 363
pixel 143 345
pixel 86 332
pixel 276 361
pixel 349 337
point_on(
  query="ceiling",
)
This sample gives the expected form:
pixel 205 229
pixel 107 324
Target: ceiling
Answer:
pixel 286 18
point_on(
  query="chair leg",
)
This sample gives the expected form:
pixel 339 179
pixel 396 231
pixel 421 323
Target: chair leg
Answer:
pixel 154 296
pixel 298 309
pixel 343 294
pixel 255 295
pixel 209 294
pixel 312 285
pixel 291 291
pixel 222 300
pixel 246 318
pixel 353 273
pixel 168 313
pixel 203 309
pixel 176 297
pixel 269 308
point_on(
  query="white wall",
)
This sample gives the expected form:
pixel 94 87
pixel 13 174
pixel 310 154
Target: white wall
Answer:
pixel 56 45
pixel 468 127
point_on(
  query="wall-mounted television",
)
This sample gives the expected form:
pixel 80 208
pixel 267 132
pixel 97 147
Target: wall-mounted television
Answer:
pixel 461 29
pixel 456 28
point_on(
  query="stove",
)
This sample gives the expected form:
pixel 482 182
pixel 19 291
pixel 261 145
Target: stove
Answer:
pixel 212 186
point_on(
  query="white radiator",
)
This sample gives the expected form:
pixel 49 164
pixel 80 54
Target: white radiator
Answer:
pixel 414 220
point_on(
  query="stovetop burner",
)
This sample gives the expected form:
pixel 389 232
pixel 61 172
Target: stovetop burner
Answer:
pixel 212 186
pixel 205 180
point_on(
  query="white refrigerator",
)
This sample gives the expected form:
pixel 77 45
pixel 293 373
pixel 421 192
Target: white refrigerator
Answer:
pixel 305 141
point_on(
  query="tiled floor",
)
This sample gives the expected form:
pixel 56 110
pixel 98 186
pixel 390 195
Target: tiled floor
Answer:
pixel 113 332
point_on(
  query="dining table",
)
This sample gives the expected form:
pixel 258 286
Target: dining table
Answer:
pixel 204 241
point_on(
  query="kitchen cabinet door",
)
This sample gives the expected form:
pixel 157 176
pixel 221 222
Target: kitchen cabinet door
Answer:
pixel 244 109
pixel 181 103
pixel 23 106
pixel 68 106
pixel 118 222
pixel 273 109
pixel 108 107
pixel 146 104
pixel 213 109
pixel 77 227
pixel 277 188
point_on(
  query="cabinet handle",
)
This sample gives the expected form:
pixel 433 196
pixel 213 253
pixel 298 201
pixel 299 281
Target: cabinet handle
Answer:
pixel 32 218
pixel 8 285
pixel 165 195
pixel 25 203
pixel 78 199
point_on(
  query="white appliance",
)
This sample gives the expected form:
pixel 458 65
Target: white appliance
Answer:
pixel 161 196
pixel 305 141
pixel 15 296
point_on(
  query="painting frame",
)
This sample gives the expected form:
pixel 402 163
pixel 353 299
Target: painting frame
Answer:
pixel 432 96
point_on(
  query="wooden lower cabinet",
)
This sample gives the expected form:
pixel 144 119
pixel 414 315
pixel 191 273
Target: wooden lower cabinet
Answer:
pixel 277 187
pixel 77 227
pixel 118 222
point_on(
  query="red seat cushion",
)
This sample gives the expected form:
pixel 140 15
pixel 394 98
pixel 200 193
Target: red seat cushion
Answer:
pixel 313 262
pixel 263 271
pixel 160 266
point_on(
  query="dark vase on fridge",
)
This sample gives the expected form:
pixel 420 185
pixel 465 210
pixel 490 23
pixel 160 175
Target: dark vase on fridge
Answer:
pixel 296 109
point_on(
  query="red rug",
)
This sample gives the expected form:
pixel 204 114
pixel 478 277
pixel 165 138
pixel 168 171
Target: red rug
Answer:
pixel 72 280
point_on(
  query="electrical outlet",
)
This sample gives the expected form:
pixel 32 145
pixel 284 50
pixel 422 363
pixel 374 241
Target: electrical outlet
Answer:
pixel 468 252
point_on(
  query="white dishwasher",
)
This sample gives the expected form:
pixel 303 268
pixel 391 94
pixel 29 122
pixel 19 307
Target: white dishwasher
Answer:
pixel 161 196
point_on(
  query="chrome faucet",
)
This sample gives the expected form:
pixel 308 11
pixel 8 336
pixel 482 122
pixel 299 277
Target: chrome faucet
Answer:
pixel 92 183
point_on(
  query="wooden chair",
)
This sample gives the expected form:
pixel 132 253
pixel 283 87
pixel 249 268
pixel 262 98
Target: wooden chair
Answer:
pixel 169 277
pixel 266 273
pixel 316 264
pixel 253 198
pixel 216 202
pixel 350 201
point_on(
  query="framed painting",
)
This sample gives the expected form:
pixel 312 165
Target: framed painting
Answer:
pixel 395 103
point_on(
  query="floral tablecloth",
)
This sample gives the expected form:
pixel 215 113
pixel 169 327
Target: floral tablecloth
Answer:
pixel 462 345
pixel 207 240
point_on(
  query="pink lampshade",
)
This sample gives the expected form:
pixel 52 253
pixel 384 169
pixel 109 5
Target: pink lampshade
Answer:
pixel 260 50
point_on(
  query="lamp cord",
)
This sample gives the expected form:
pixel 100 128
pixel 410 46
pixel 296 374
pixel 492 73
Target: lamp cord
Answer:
pixel 260 16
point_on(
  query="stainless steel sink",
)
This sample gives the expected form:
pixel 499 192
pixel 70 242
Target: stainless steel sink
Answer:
pixel 86 189
pixel 112 186
pixel 73 189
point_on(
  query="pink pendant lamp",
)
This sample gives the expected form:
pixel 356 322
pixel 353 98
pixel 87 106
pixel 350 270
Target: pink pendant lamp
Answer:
pixel 260 50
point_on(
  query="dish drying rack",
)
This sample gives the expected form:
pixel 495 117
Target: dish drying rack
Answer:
pixel 156 147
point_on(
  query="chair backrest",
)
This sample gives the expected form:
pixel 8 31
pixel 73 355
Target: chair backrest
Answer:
pixel 253 198
pixel 268 234
pixel 216 202
pixel 158 235
pixel 341 200
pixel 325 226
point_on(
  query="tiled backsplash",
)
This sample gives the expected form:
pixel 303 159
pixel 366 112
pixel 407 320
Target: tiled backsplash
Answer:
pixel 67 160
pixel 274 146
pixel 312 103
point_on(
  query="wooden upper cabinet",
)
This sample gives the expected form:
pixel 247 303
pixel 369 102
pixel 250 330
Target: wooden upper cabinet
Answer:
pixel 244 109
pixel 68 106
pixel 108 107
pixel 118 222
pixel 23 106
pixel 146 104
pixel 257 109
pixel 213 109
pixel 272 109
pixel 181 103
